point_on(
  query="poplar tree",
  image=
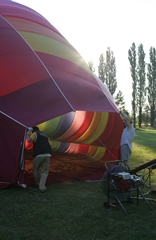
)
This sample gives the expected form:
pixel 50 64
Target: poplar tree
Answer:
pixel 101 68
pixel 141 81
pixel 107 71
pixel 146 115
pixel 91 66
pixel 151 88
pixel 119 101
pixel 133 70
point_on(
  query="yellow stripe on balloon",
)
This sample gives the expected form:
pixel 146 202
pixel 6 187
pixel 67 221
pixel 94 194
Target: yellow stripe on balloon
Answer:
pixel 51 46
pixel 24 25
pixel 42 126
pixel 97 133
pixel 91 128
pixel 55 145
pixel 52 126
pixel 100 153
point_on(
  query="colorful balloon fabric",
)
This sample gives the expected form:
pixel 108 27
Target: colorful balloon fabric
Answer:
pixel 45 82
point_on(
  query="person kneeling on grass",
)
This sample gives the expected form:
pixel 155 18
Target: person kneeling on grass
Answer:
pixel 41 156
pixel 127 138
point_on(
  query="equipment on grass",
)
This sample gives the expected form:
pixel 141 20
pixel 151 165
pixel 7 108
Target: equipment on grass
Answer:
pixel 118 184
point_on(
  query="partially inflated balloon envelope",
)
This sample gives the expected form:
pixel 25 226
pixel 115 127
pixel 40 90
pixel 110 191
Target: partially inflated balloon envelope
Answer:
pixel 45 82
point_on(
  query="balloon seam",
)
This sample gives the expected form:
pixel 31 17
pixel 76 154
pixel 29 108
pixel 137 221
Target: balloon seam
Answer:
pixel 43 66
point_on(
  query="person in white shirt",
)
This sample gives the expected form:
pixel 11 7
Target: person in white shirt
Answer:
pixel 126 139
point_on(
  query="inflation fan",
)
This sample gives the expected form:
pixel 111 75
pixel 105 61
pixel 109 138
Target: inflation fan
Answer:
pixel 118 185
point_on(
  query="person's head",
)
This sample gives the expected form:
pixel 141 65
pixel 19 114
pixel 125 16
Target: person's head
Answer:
pixel 130 119
pixel 127 121
pixel 35 129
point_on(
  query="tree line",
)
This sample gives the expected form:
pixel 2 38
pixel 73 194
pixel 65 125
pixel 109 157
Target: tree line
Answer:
pixel 143 95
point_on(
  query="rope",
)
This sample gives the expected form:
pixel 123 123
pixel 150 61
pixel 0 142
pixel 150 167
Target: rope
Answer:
pixel 13 119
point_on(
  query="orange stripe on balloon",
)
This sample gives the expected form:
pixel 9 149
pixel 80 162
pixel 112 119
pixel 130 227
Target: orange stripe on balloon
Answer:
pixel 107 131
pixel 92 150
pixel 100 128
pixel 91 128
pixel 111 136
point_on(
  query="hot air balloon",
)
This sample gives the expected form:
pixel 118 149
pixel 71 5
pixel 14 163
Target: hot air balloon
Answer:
pixel 46 82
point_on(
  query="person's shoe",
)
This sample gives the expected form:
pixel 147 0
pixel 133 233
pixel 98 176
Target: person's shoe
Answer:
pixel 43 191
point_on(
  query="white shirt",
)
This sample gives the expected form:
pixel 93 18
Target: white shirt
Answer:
pixel 128 137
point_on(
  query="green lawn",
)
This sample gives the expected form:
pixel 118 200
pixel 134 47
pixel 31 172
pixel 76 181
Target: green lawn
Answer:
pixel 75 210
pixel 144 150
pixel 144 146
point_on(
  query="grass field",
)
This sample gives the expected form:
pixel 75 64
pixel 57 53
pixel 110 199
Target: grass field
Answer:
pixel 75 210
pixel 144 146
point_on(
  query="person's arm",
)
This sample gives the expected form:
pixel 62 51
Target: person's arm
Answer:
pixel 123 114
pixel 127 120
pixel 31 138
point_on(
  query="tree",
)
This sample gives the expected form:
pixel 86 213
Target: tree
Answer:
pixel 151 88
pixel 91 66
pixel 101 68
pixel 119 101
pixel 132 60
pixel 141 81
pixel 146 115
pixel 107 71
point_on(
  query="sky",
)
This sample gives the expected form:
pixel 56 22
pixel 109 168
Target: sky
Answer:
pixel 91 26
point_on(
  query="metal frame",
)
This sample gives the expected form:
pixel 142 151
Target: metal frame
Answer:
pixel 117 193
